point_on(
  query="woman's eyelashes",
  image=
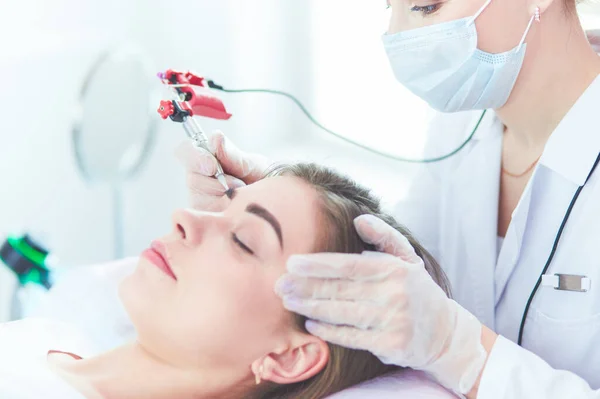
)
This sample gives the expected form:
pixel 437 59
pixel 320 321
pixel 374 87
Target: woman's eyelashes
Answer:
pixel 426 10
pixel 240 244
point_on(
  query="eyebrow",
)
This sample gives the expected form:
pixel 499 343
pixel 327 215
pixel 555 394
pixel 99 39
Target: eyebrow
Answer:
pixel 261 212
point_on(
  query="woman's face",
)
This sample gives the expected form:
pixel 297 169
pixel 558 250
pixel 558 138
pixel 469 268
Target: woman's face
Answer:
pixel 220 310
pixel 499 27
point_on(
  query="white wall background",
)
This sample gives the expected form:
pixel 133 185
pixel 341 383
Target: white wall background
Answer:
pixel 49 46
pixel 326 52
pixel 45 51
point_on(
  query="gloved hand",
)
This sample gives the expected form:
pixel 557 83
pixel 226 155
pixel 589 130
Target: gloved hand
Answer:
pixel 241 168
pixel 593 36
pixel 386 302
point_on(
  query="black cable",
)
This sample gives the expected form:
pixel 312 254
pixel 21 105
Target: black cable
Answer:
pixel 215 86
pixel 551 256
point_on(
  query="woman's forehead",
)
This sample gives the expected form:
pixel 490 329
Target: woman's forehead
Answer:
pixel 280 187
pixel 293 202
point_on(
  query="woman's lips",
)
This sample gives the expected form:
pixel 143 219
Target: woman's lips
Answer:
pixel 157 255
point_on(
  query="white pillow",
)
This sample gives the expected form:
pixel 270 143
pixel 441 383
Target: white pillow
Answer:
pixel 403 384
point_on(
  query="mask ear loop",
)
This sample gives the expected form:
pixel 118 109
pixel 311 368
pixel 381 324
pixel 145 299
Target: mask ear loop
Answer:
pixel 478 13
pixel 534 17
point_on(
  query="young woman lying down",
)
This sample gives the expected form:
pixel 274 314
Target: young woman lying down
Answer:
pixel 208 322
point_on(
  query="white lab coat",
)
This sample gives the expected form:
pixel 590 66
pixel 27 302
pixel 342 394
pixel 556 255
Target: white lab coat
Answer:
pixel 453 209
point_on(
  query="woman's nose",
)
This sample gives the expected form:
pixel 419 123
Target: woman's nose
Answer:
pixel 191 225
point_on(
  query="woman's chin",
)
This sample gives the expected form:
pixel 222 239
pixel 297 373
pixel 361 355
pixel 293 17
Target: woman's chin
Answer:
pixel 129 294
pixel 146 277
pixel 138 291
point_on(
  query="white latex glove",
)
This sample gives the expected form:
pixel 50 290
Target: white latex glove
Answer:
pixel 386 303
pixel 241 168
pixel 593 36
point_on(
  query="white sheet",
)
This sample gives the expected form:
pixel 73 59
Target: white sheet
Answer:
pixel 87 297
pixel 24 371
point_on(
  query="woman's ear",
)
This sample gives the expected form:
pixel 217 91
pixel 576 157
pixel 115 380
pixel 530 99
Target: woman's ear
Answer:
pixel 543 5
pixel 303 358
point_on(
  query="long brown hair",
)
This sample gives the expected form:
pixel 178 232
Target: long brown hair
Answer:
pixel 342 200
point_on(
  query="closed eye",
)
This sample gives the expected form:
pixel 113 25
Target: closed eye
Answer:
pixel 426 10
pixel 240 244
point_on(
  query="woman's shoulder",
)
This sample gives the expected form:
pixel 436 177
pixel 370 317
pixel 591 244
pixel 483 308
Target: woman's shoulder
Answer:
pixel 24 370
pixel 409 384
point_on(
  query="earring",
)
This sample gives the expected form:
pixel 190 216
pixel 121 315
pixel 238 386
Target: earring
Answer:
pixel 536 15
pixel 258 375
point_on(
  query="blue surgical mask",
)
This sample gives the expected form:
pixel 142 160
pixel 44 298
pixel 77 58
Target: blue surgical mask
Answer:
pixel 442 64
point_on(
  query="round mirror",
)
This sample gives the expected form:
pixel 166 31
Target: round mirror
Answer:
pixel 115 123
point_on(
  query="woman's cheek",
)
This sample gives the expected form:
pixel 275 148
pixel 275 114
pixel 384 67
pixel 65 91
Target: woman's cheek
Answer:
pixel 397 22
pixel 257 303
